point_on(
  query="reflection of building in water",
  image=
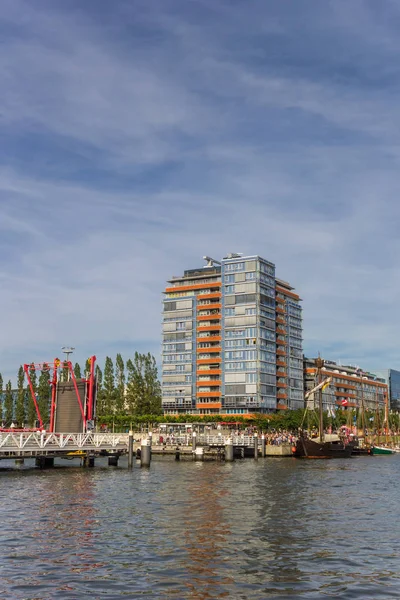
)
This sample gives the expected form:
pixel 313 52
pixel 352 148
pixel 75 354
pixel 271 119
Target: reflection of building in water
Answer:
pixel 207 532
pixel 66 510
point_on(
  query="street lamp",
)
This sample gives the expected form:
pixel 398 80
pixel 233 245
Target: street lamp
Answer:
pixel 67 351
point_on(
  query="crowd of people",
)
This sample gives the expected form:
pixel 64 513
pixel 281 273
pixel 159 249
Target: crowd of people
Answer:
pixel 171 437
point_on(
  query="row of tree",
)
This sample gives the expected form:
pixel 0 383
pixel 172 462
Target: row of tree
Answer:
pixel 126 389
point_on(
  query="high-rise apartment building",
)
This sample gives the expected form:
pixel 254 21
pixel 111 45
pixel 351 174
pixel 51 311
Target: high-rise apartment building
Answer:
pixel 232 340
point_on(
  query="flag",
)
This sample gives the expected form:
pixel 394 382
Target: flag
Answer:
pixel 344 402
pixel 326 384
pixel 331 412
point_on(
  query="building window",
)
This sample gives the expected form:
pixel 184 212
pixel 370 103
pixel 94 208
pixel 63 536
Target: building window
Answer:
pixel 229 289
pixel 234 267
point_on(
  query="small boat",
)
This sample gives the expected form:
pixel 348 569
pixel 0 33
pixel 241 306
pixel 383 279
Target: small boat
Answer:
pixel 383 450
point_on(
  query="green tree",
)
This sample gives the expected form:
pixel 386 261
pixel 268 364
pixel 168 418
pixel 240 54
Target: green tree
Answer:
pixel 77 371
pixel 31 410
pixel 44 393
pixel 120 385
pixel 65 372
pixel 87 368
pixel 9 404
pixel 21 398
pixel 1 398
pixel 108 387
pixel 143 394
pixel 100 394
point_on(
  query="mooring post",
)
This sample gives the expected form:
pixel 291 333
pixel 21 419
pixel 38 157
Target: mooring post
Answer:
pixel 229 450
pixel 130 450
pixel 177 453
pixel 194 441
pixel 113 460
pixel 256 446
pixel 263 445
pixel 145 455
pixel 150 438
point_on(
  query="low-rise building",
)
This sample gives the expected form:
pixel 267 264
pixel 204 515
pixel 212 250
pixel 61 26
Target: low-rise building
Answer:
pixel 350 386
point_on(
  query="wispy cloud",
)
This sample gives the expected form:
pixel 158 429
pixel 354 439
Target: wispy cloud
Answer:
pixel 138 136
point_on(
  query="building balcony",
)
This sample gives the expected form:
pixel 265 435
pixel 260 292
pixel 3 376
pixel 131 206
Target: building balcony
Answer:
pixel 193 286
pixel 216 317
pixel 209 383
pixel 209 405
pixel 209 350
pixel 210 306
pixel 281 300
pixel 281 385
pixel 280 320
pixel 281 373
pixel 281 406
pixel 349 386
pixel 209 296
pixel 281 363
pixel 210 339
pixel 216 327
pixel 209 372
pixel 281 395
pixel 281 352
pixel 210 360
pixel 346 394
pixel 280 310
pixel 208 394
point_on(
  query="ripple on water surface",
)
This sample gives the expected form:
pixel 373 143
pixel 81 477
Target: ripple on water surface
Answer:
pixel 277 528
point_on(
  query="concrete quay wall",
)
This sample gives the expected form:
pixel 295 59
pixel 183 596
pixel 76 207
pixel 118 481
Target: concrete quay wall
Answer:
pixel 282 450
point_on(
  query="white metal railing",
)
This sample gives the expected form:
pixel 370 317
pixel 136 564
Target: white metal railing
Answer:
pixel 58 442
pixel 205 440
pixel 26 442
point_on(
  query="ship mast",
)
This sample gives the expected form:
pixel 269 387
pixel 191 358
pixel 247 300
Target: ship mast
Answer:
pixel 319 363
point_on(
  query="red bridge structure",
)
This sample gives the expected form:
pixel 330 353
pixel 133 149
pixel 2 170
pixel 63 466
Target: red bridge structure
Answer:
pixel 72 405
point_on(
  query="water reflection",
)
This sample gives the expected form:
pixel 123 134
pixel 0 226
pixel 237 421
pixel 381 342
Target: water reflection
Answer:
pixel 252 529
pixel 206 533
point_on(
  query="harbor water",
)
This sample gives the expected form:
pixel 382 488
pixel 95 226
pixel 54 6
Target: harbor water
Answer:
pixel 272 528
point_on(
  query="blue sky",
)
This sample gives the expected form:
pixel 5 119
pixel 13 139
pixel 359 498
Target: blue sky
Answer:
pixel 139 135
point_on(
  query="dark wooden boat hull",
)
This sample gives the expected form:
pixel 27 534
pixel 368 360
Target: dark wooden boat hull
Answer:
pixel 306 448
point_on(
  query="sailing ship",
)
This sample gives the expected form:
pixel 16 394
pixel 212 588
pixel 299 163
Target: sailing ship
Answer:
pixel 325 445
pixel 378 449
